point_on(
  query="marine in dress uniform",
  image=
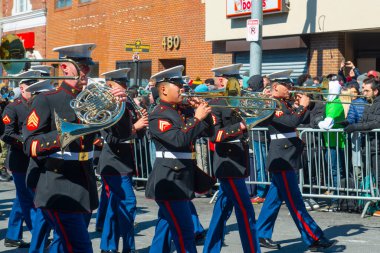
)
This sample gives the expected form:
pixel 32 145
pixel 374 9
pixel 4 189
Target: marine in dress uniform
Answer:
pixel 41 226
pixel 284 161
pixel 117 166
pixel 171 183
pixel 231 166
pixel 14 116
pixel 66 190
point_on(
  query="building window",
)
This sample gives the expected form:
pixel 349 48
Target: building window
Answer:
pixel 21 6
pixel 62 3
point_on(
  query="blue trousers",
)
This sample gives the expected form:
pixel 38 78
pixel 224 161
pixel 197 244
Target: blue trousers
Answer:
pixel 284 187
pixel 334 161
pixel 121 213
pixel 41 232
pixel 198 228
pixel 102 210
pixel 260 157
pixel 72 231
pixel 15 222
pixel 232 193
pixel 174 221
pixel 164 242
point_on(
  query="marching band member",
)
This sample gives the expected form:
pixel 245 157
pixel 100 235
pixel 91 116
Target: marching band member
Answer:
pixel 283 161
pixel 66 190
pixel 14 116
pixel 171 183
pixel 231 168
pixel 117 165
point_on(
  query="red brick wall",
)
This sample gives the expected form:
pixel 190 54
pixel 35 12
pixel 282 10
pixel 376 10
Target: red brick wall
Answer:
pixel 39 32
pixel 8 5
pixel 326 53
pixel 113 23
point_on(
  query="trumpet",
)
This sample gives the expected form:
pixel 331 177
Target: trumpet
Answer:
pixel 293 92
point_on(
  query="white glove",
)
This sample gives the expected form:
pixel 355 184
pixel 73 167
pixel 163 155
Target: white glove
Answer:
pixel 326 124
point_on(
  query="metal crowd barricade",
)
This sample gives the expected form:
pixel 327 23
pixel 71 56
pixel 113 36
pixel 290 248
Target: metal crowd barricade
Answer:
pixel 350 172
pixel 324 160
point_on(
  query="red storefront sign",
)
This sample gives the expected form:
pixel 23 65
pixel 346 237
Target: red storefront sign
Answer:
pixel 27 39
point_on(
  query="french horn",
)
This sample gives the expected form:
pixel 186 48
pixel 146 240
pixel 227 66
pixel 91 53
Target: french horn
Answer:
pixel 96 107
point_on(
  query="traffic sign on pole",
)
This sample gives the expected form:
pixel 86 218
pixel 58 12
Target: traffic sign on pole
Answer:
pixel 253 29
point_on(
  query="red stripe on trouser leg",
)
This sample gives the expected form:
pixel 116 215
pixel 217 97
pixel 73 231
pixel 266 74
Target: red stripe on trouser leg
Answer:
pixel 299 216
pixel 68 244
pixel 106 187
pixel 245 216
pixel 176 225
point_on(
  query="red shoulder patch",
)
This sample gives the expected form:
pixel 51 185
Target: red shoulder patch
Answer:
pixel 278 114
pixel 33 121
pixel 6 119
pixel 164 125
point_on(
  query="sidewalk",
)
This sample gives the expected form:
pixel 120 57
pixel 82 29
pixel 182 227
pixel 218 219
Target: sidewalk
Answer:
pixel 353 233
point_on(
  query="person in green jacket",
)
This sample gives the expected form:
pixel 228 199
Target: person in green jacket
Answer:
pixel 334 142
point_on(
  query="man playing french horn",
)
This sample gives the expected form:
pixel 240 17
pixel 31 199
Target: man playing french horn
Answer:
pixel 66 190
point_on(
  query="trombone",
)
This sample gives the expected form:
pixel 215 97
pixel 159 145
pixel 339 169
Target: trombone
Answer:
pixel 12 58
pixel 219 95
pixel 330 94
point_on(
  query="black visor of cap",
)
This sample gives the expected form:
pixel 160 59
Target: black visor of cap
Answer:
pixel 120 80
pixel 29 81
pixel 82 60
pixel 176 81
pixel 237 76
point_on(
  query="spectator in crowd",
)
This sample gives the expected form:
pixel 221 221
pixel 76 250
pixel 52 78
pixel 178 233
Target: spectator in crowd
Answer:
pixel 334 114
pixel 369 121
pixel 354 116
pixel 317 81
pixel 353 71
pixel 345 99
pixel 260 142
pixel 302 79
pixel 151 84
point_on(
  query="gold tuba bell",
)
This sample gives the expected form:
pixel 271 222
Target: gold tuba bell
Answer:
pixel 96 107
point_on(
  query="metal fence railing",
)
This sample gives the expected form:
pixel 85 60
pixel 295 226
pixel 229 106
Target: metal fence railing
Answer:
pixel 336 165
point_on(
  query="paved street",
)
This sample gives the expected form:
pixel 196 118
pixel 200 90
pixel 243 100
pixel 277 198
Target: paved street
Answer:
pixel 354 234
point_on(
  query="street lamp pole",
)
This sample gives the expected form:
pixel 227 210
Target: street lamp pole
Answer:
pixel 256 46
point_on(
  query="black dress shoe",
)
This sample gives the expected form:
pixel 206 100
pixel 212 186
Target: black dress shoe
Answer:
pixel 16 243
pixel 321 244
pixel 4 175
pixel 200 238
pixel 268 243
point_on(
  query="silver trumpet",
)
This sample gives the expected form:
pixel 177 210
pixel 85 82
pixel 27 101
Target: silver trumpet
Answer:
pixel 96 107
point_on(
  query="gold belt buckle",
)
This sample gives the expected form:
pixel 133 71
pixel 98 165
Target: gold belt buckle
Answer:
pixel 83 156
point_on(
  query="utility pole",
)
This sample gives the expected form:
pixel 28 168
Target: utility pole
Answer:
pixel 256 46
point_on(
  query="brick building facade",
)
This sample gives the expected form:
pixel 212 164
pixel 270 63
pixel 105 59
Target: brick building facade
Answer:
pixel 28 19
pixel 112 24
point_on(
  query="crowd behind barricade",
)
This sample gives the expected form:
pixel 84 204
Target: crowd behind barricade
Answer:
pixel 342 154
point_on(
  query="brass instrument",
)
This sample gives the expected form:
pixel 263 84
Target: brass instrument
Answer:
pixel 310 93
pixel 96 107
pixel 12 58
pixel 253 108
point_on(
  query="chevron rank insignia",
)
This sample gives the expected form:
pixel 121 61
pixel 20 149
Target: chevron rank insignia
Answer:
pixel 213 119
pixel 278 113
pixel 164 125
pixel 6 119
pixel 33 121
